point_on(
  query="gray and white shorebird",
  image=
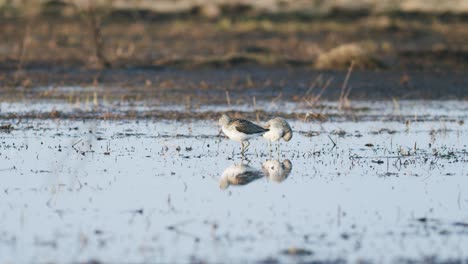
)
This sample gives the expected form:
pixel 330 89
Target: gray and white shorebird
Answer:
pixel 278 129
pixel 240 130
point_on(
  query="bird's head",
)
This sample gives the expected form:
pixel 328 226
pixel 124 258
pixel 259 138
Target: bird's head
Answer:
pixel 224 120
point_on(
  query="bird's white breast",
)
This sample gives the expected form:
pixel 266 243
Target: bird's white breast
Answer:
pixel 236 135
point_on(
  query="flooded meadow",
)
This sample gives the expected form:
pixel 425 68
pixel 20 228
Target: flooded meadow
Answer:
pixel 111 149
pixel 382 182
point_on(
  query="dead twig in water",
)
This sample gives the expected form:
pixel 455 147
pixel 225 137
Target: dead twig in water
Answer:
pixel 334 144
pixel 8 169
pixel 74 144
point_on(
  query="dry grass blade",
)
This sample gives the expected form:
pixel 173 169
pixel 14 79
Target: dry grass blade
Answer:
pixel 313 85
pixel 312 100
pixel 343 101
pixel 228 99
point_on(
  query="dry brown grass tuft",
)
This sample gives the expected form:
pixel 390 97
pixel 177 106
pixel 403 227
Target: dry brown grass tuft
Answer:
pixel 362 54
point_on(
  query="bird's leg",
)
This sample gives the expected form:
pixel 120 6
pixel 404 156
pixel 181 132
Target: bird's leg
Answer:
pixel 247 145
pixel 269 148
pixel 242 148
pixel 243 153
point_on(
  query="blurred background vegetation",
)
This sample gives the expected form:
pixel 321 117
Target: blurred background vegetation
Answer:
pixel 318 34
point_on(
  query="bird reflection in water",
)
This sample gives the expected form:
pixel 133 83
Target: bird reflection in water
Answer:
pixel 239 174
pixel 277 171
pixel 243 174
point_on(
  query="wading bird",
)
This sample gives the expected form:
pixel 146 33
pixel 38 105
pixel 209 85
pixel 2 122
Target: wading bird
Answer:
pixel 278 129
pixel 240 130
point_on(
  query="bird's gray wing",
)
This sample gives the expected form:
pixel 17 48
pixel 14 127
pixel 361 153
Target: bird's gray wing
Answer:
pixel 247 127
pixel 248 176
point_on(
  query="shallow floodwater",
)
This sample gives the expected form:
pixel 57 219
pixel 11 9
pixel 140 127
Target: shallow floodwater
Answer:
pixel 415 108
pixel 167 191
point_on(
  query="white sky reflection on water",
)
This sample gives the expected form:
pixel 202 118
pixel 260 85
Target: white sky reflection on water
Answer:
pixel 68 203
